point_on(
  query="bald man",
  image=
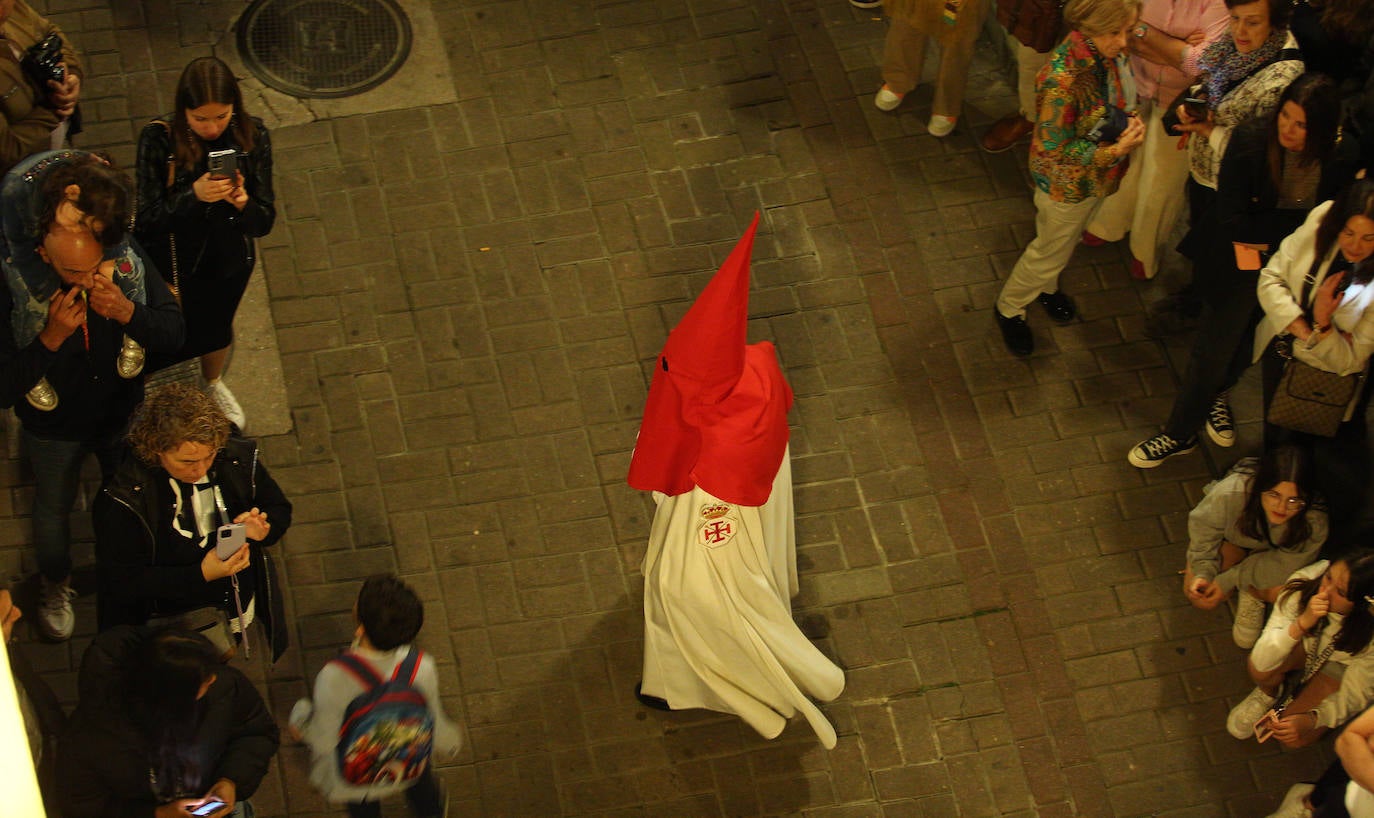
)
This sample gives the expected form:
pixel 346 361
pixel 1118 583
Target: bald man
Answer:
pixel 77 356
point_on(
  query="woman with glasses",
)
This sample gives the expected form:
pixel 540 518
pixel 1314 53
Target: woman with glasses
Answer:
pixel 1251 531
pixel 1313 666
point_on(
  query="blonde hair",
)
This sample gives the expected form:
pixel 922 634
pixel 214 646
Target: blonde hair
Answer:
pixel 173 415
pixel 1095 17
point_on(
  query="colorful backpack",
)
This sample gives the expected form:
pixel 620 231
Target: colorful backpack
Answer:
pixel 388 730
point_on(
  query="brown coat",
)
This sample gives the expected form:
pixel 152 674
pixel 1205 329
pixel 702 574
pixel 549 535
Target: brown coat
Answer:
pixel 926 16
pixel 27 125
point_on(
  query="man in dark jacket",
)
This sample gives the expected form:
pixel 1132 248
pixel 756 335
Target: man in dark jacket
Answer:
pixel 217 736
pixel 81 357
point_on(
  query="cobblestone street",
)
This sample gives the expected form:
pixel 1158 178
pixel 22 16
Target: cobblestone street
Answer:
pixel 467 297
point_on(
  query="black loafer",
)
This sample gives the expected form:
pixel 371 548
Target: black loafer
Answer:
pixel 1015 334
pixel 1059 306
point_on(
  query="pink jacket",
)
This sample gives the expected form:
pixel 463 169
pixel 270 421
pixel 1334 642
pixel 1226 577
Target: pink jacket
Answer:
pixel 1178 19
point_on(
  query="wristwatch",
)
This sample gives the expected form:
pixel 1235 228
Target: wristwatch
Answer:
pixel 1140 29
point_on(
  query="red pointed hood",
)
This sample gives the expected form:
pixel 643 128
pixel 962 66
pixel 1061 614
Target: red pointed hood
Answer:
pixel 716 415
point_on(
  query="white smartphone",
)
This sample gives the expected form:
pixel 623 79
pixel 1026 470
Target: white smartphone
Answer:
pixel 208 808
pixel 229 538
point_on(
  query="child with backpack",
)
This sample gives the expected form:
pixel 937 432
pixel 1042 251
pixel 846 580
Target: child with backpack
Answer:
pixel 376 721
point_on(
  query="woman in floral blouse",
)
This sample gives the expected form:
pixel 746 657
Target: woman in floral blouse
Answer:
pixel 1078 155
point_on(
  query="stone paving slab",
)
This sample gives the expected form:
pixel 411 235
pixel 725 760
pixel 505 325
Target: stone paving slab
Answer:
pixel 466 296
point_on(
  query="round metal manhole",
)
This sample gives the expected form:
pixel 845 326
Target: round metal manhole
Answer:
pixel 323 48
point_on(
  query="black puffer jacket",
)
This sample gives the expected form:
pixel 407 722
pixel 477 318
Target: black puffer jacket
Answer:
pixel 104 764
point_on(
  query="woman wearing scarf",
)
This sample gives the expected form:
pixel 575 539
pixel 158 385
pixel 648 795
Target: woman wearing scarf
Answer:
pixel 1082 137
pixel 1243 75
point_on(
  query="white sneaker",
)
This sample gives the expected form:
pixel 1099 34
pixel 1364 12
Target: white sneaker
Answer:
pixel 940 125
pixel 227 403
pixel 1241 722
pixel 887 99
pixel 56 619
pixel 1249 620
pixel 1294 804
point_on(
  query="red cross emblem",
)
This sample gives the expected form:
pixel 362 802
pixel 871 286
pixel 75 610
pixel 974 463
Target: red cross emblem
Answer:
pixel 715 533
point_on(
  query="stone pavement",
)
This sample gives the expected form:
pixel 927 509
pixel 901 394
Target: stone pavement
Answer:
pixel 467 297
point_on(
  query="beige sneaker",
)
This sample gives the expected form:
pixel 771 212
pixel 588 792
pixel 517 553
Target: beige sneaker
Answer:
pixel 56 618
pixel 42 396
pixel 227 403
pixel 1249 620
pixel 1241 721
pixel 131 358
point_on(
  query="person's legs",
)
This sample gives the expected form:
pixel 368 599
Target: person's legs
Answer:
pixel 425 797
pixel 1028 65
pixel 1057 227
pixel 904 54
pixel 212 364
pixel 56 470
pixel 952 77
pixel 1162 192
pixel 1213 362
pixel 364 809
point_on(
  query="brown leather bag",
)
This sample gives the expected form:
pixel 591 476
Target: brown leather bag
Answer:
pixel 1038 24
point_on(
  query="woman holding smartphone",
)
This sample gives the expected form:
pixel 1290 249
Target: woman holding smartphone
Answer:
pixel 185 522
pixel 163 730
pixel 204 194
pixel 1313 659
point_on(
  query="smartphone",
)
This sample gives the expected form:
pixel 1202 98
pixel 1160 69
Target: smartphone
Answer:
pixel 1196 108
pixel 1264 728
pixel 229 539
pixel 223 164
pixel 209 807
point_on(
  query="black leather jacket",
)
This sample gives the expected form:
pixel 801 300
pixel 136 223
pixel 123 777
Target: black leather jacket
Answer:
pixel 133 527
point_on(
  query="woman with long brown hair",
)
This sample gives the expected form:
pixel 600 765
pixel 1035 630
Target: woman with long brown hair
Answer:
pixel 204 194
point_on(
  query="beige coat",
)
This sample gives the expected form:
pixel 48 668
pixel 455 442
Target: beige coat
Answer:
pixel 27 126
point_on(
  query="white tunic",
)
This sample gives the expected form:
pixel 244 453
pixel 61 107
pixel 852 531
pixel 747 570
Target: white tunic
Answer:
pixel 718 631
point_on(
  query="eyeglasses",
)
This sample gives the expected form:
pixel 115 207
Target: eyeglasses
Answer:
pixel 1293 503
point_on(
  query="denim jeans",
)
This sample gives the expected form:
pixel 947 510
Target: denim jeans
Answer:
pixel 56 472
pixel 425 798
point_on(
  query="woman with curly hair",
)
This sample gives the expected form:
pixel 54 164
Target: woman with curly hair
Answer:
pixel 1313 666
pixel 157 520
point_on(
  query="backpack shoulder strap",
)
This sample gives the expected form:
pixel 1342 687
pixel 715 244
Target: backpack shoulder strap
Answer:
pixel 409 667
pixel 359 669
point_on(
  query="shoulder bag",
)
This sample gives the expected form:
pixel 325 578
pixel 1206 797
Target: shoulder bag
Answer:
pixel 1309 399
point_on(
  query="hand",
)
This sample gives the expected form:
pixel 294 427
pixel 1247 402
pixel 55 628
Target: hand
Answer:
pixel 226 791
pixel 180 808
pixel 1196 38
pixel 9 614
pixel 1205 594
pixel 63 95
pixel 238 197
pixel 1315 611
pixel 66 312
pixel 213 568
pixel 1296 731
pixel 107 299
pixel 1327 299
pixel 1187 123
pixel 1131 137
pixel 209 189
pixel 255 524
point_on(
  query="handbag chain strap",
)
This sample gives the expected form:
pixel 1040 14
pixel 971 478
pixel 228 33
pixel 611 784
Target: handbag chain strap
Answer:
pixel 233 578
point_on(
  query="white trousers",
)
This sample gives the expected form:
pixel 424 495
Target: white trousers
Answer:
pixel 1058 226
pixel 1151 195
pixel 1028 65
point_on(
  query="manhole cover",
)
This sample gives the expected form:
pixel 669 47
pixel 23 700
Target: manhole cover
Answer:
pixel 323 48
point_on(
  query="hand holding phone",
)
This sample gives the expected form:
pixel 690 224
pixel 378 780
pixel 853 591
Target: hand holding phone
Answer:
pixel 1264 728
pixel 229 538
pixel 210 807
pixel 223 164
